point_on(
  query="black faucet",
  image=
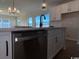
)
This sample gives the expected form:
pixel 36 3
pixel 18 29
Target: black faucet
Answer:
pixel 41 19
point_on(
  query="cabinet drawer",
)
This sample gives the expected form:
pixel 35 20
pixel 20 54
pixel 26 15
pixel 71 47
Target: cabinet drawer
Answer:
pixel 51 48
pixel 51 33
pixel 4 33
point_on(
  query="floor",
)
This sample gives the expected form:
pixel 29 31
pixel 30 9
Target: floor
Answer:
pixel 72 50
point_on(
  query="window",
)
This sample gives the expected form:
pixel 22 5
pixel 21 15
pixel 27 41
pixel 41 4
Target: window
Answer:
pixel 18 22
pixel 45 22
pixel 5 23
pixel 37 21
pixel 0 23
pixel 30 21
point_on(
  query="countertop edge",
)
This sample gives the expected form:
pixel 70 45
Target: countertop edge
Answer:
pixel 27 29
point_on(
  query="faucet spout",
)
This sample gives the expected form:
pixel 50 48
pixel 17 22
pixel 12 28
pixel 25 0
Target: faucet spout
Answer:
pixel 41 19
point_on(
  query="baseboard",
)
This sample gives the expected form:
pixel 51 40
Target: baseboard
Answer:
pixel 76 40
pixel 72 39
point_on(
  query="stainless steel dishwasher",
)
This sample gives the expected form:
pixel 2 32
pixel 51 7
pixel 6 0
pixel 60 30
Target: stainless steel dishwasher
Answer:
pixel 28 45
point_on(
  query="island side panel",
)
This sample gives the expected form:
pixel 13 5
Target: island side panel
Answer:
pixel 56 41
pixel 5 45
pixel 51 44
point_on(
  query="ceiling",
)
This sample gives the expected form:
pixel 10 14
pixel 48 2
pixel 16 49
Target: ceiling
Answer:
pixel 57 2
pixel 26 6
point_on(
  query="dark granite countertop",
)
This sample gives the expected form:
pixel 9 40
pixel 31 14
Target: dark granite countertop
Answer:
pixel 25 29
pixel 20 29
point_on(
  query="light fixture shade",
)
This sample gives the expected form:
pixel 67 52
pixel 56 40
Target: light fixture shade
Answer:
pixel 44 5
pixel 9 9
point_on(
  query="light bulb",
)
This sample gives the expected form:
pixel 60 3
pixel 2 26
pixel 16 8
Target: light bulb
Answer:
pixel 14 9
pixel 44 5
pixel 18 11
pixel 9 9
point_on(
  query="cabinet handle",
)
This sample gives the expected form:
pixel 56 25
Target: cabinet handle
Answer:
pixel 6 48
pixel 56 39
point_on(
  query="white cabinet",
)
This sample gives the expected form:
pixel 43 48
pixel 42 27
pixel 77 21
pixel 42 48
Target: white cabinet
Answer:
pixel 55 41
pixel 72 6
pixel 76 6
pixel 5 46
pixel 64 8
pixel 60 42
pixel 51 44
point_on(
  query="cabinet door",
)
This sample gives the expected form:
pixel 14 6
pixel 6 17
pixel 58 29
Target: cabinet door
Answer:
pixel 5 47
pixel 62 38
pixel 73 6
pixel 51 45
pixel 64 8
pixel 59 39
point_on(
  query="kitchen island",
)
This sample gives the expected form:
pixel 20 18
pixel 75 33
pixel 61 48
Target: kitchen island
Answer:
pixel 31 43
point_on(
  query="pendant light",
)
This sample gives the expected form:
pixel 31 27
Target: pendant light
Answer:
pixel 44 5
pixel 13 10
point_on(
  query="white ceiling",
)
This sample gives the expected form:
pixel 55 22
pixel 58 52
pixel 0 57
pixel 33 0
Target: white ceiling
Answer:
pixel 29 5
pixel 57 2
